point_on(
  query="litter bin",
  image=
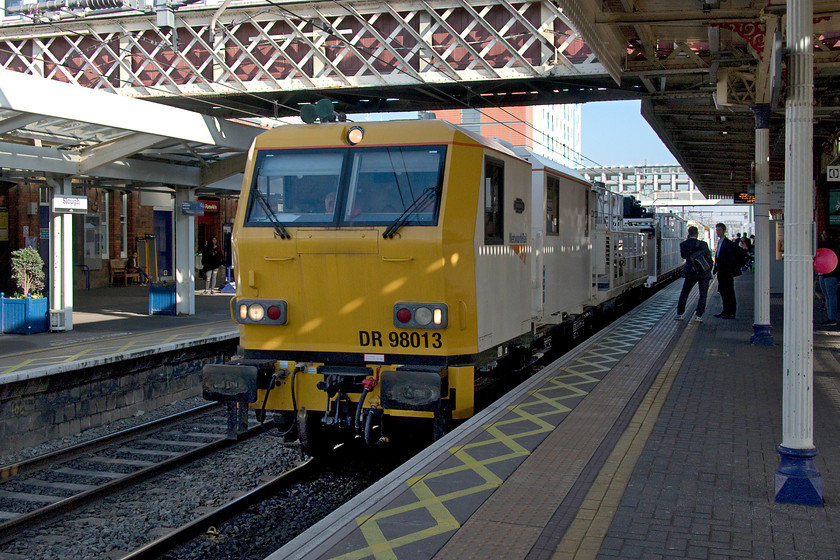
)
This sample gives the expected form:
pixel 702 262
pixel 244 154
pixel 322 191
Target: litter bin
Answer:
pixel 162 299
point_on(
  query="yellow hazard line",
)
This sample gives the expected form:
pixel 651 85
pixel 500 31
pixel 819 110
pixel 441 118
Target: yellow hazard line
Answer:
pixel 583 539
pixel 206 332
pixel 382 547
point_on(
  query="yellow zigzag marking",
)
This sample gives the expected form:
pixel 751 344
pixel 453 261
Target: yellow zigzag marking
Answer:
pixel 383 549
pixel 601 357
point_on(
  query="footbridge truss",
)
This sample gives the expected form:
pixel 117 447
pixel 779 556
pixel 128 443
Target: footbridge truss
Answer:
pixel 265 57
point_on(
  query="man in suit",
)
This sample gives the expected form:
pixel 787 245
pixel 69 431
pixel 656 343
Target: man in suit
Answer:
pixel 692 276
pixel 729 258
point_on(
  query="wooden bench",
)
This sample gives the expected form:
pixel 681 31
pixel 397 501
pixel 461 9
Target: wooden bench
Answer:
pixel 118 270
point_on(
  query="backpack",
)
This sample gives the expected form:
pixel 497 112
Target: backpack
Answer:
pixel 699 261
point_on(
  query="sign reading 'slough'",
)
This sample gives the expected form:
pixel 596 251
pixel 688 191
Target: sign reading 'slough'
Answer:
pixel 69 204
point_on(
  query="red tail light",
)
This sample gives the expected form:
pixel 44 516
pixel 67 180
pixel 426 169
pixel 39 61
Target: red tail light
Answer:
pixel 404 315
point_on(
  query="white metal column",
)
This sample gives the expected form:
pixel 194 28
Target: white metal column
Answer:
pixel 184 254
pixel 61 262
pixel 761 319
pixel 797 479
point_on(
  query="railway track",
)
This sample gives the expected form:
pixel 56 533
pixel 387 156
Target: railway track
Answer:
pixel 289 503
pixel 185 533
pixel 41 488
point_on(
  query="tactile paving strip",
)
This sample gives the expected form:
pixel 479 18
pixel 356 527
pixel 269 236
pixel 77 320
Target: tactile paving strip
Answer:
pixel 433 505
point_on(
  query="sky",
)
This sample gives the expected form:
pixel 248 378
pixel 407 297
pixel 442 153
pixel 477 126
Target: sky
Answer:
pixel 615 133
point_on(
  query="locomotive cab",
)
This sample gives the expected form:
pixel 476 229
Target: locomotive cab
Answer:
pixel 355 296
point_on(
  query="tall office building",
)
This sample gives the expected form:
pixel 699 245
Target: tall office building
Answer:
pixel 552 131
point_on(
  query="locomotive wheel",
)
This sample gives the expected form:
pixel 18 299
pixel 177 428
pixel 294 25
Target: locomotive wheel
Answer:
pixel 314 438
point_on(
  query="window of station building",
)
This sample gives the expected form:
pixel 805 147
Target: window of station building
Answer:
pixel 106 221
pixel 471 120
pixel 122 231
pixel 494 179
pixel 552 206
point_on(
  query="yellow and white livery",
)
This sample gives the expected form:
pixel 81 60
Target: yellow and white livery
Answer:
pixel 380 266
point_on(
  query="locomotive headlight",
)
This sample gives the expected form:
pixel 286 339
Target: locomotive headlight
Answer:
pixel 263 312
pixel 355 135
pixel 423 316
pixel 420 315
pixel 256 312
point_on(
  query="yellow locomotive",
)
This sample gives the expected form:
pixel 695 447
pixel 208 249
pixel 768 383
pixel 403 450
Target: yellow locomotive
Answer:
pixel 379 266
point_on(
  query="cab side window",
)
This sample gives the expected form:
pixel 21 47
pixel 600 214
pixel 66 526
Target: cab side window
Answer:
pixel 552 206
pixel 494 179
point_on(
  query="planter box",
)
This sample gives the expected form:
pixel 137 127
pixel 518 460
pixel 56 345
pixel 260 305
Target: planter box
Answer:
pixel 162 299
pixel 24 316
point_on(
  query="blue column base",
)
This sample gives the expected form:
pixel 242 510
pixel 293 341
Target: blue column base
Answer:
pixel 761 336
pixel 798 481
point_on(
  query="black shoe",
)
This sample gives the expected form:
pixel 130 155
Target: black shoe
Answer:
pixel 720 315
pixel 829 323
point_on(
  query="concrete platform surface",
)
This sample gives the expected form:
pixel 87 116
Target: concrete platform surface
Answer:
pixel 113 323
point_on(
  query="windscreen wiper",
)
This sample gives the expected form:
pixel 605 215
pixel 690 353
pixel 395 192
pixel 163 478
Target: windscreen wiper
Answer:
pixel 279 230
pixel 412 208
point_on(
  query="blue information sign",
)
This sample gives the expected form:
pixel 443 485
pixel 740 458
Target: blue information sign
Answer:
pixel 194 208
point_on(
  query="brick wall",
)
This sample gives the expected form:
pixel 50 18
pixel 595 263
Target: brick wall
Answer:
pixel 62 405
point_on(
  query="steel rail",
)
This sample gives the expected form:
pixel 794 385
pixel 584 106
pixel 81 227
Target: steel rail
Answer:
pixel 69 453
pixel 181 535
pixel 10 529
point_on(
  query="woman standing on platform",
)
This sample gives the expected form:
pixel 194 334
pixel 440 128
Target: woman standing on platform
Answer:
pixel 212 259
pixel 829 281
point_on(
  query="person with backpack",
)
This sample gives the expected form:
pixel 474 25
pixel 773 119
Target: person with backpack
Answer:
pixel 697 270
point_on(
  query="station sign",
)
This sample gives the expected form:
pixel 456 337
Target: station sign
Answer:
pixel 833 173
pixel 745 197
pixel 777 195
pixel 192 208
pixel 69 204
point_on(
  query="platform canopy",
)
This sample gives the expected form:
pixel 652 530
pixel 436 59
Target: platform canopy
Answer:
pixel 53 128
pixel 703 64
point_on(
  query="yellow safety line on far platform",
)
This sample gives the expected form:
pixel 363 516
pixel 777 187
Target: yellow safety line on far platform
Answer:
pixel 584 537
pixel 78 355
pixel 112 338
pixel 21 365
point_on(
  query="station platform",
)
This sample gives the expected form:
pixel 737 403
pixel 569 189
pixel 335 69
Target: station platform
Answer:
pixel 656 438
pixel 112 324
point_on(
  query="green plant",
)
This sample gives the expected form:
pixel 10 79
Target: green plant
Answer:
pixel 28 270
